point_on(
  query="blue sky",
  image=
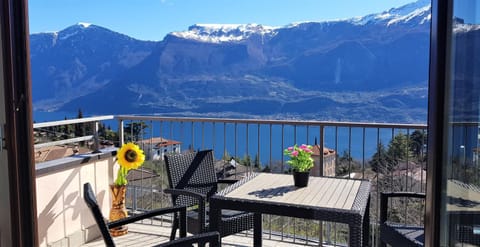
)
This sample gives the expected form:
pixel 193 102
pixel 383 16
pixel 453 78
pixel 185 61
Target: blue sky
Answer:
pixel 153 19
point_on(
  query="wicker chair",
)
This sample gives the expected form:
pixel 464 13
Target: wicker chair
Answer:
pixel 192 180
pixel 396 234
pixel 213 238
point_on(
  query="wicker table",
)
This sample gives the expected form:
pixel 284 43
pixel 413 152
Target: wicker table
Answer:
pixel 329 199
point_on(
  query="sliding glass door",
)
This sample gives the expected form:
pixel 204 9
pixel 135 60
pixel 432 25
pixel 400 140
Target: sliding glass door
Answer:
pixel 460 176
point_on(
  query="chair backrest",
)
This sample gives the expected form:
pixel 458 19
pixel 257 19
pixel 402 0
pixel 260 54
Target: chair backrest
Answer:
pixel 192 171
pixel 91 201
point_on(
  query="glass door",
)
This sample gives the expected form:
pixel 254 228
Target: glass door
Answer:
pixel 460 195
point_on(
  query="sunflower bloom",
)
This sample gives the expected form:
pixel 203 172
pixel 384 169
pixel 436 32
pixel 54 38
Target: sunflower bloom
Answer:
pixel 130 156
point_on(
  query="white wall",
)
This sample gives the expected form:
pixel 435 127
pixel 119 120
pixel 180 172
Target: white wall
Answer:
pixel 63 217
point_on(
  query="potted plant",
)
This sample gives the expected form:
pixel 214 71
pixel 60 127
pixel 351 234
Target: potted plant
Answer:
pixel 129 157
pixel 301 162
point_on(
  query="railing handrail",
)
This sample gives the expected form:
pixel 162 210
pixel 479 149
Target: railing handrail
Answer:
pixel 94 120
pixel 278 122
pixel 73 121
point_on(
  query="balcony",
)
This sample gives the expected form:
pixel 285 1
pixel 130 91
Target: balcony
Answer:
pixel 241 146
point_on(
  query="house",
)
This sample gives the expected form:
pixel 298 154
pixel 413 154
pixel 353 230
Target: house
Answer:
pixel 155 147
pixel 329 157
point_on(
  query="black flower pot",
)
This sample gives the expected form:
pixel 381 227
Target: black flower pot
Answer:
pixel 300 179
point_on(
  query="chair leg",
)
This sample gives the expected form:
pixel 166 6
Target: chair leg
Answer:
pixel 174 227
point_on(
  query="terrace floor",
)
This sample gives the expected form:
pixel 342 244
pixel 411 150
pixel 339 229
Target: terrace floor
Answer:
pixel 148 235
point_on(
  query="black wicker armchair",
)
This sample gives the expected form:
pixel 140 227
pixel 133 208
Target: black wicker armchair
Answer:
pixel 192 180
pixel 395 234
pixel 213 238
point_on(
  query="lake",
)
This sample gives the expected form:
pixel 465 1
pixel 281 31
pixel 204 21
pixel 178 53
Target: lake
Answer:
pixel 263 140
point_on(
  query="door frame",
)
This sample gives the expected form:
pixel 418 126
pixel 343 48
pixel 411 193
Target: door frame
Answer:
pixel 19 124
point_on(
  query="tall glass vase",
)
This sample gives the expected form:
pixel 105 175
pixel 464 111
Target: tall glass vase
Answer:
pixel 118 209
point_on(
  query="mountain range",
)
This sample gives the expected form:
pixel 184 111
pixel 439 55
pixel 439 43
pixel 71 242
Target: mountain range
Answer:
pixel 372 68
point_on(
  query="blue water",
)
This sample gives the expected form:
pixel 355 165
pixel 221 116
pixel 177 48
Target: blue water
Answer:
pixel 262 140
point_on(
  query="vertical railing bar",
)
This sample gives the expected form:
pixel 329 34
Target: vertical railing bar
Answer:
pixel 294 133
pixel 213 136
pixel 377 187
pixel 422 157
pixel 336 145
pixel 349 151
pixel 121 135
pixel 363 152
pixel 282 169
pixel 96 136
pixel 270 159
pixel 258 147
pixel 171 130
pixel 283 147
pixel 406 176
pixel 465 132
pixel 306 229
pixel 294 230
pixel 203 135
pixel 407 158
pixel 225 140
pixel 308 139
pixel 246 149
pixel 152 199
pixel 321 160
pixel 193 137
pixel 182 133
pixel 131 131
pixel 235 142
pixel 321 173
pixel 140 123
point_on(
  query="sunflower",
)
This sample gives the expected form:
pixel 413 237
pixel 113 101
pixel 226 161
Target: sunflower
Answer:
pixel 130 156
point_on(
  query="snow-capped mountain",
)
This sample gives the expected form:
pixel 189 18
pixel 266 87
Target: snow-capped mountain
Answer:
pixel 370 68
pixel 416 13
pixel 216 33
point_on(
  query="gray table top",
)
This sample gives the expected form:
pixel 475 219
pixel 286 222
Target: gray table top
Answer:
pixel 322 192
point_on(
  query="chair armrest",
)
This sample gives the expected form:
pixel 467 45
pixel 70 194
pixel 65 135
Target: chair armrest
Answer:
pixel 181 209
pixel 201 202
pixel 227 181
pixel 384 196
pixel 209 237
pixel 178 192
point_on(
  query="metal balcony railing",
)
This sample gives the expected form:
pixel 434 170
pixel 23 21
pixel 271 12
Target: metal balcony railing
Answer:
pixel 392 156
pixel 360 150
pixel 73 133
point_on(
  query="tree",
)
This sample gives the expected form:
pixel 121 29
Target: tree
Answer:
pixel 79 128
pixel 417 140
pixel 399 149
pixel 345 164
pixel 246 161
pixel 133 131
pixel 380 162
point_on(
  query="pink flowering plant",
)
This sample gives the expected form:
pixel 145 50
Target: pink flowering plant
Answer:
pixel 300 157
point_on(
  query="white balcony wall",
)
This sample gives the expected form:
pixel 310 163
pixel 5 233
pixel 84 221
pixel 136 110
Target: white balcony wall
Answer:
pixel 63 217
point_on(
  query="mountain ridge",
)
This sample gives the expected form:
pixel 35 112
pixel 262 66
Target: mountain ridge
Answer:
pixel 237 72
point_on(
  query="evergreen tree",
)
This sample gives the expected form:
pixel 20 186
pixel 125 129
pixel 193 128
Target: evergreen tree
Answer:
pixel 134 131
pixel 399 149
pixel 380 161
pixel 80 127
pixel 417 139
pixel 246 161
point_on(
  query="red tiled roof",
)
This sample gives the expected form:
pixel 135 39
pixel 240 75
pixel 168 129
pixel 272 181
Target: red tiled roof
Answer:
pixel 159 142
pixel 326 151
